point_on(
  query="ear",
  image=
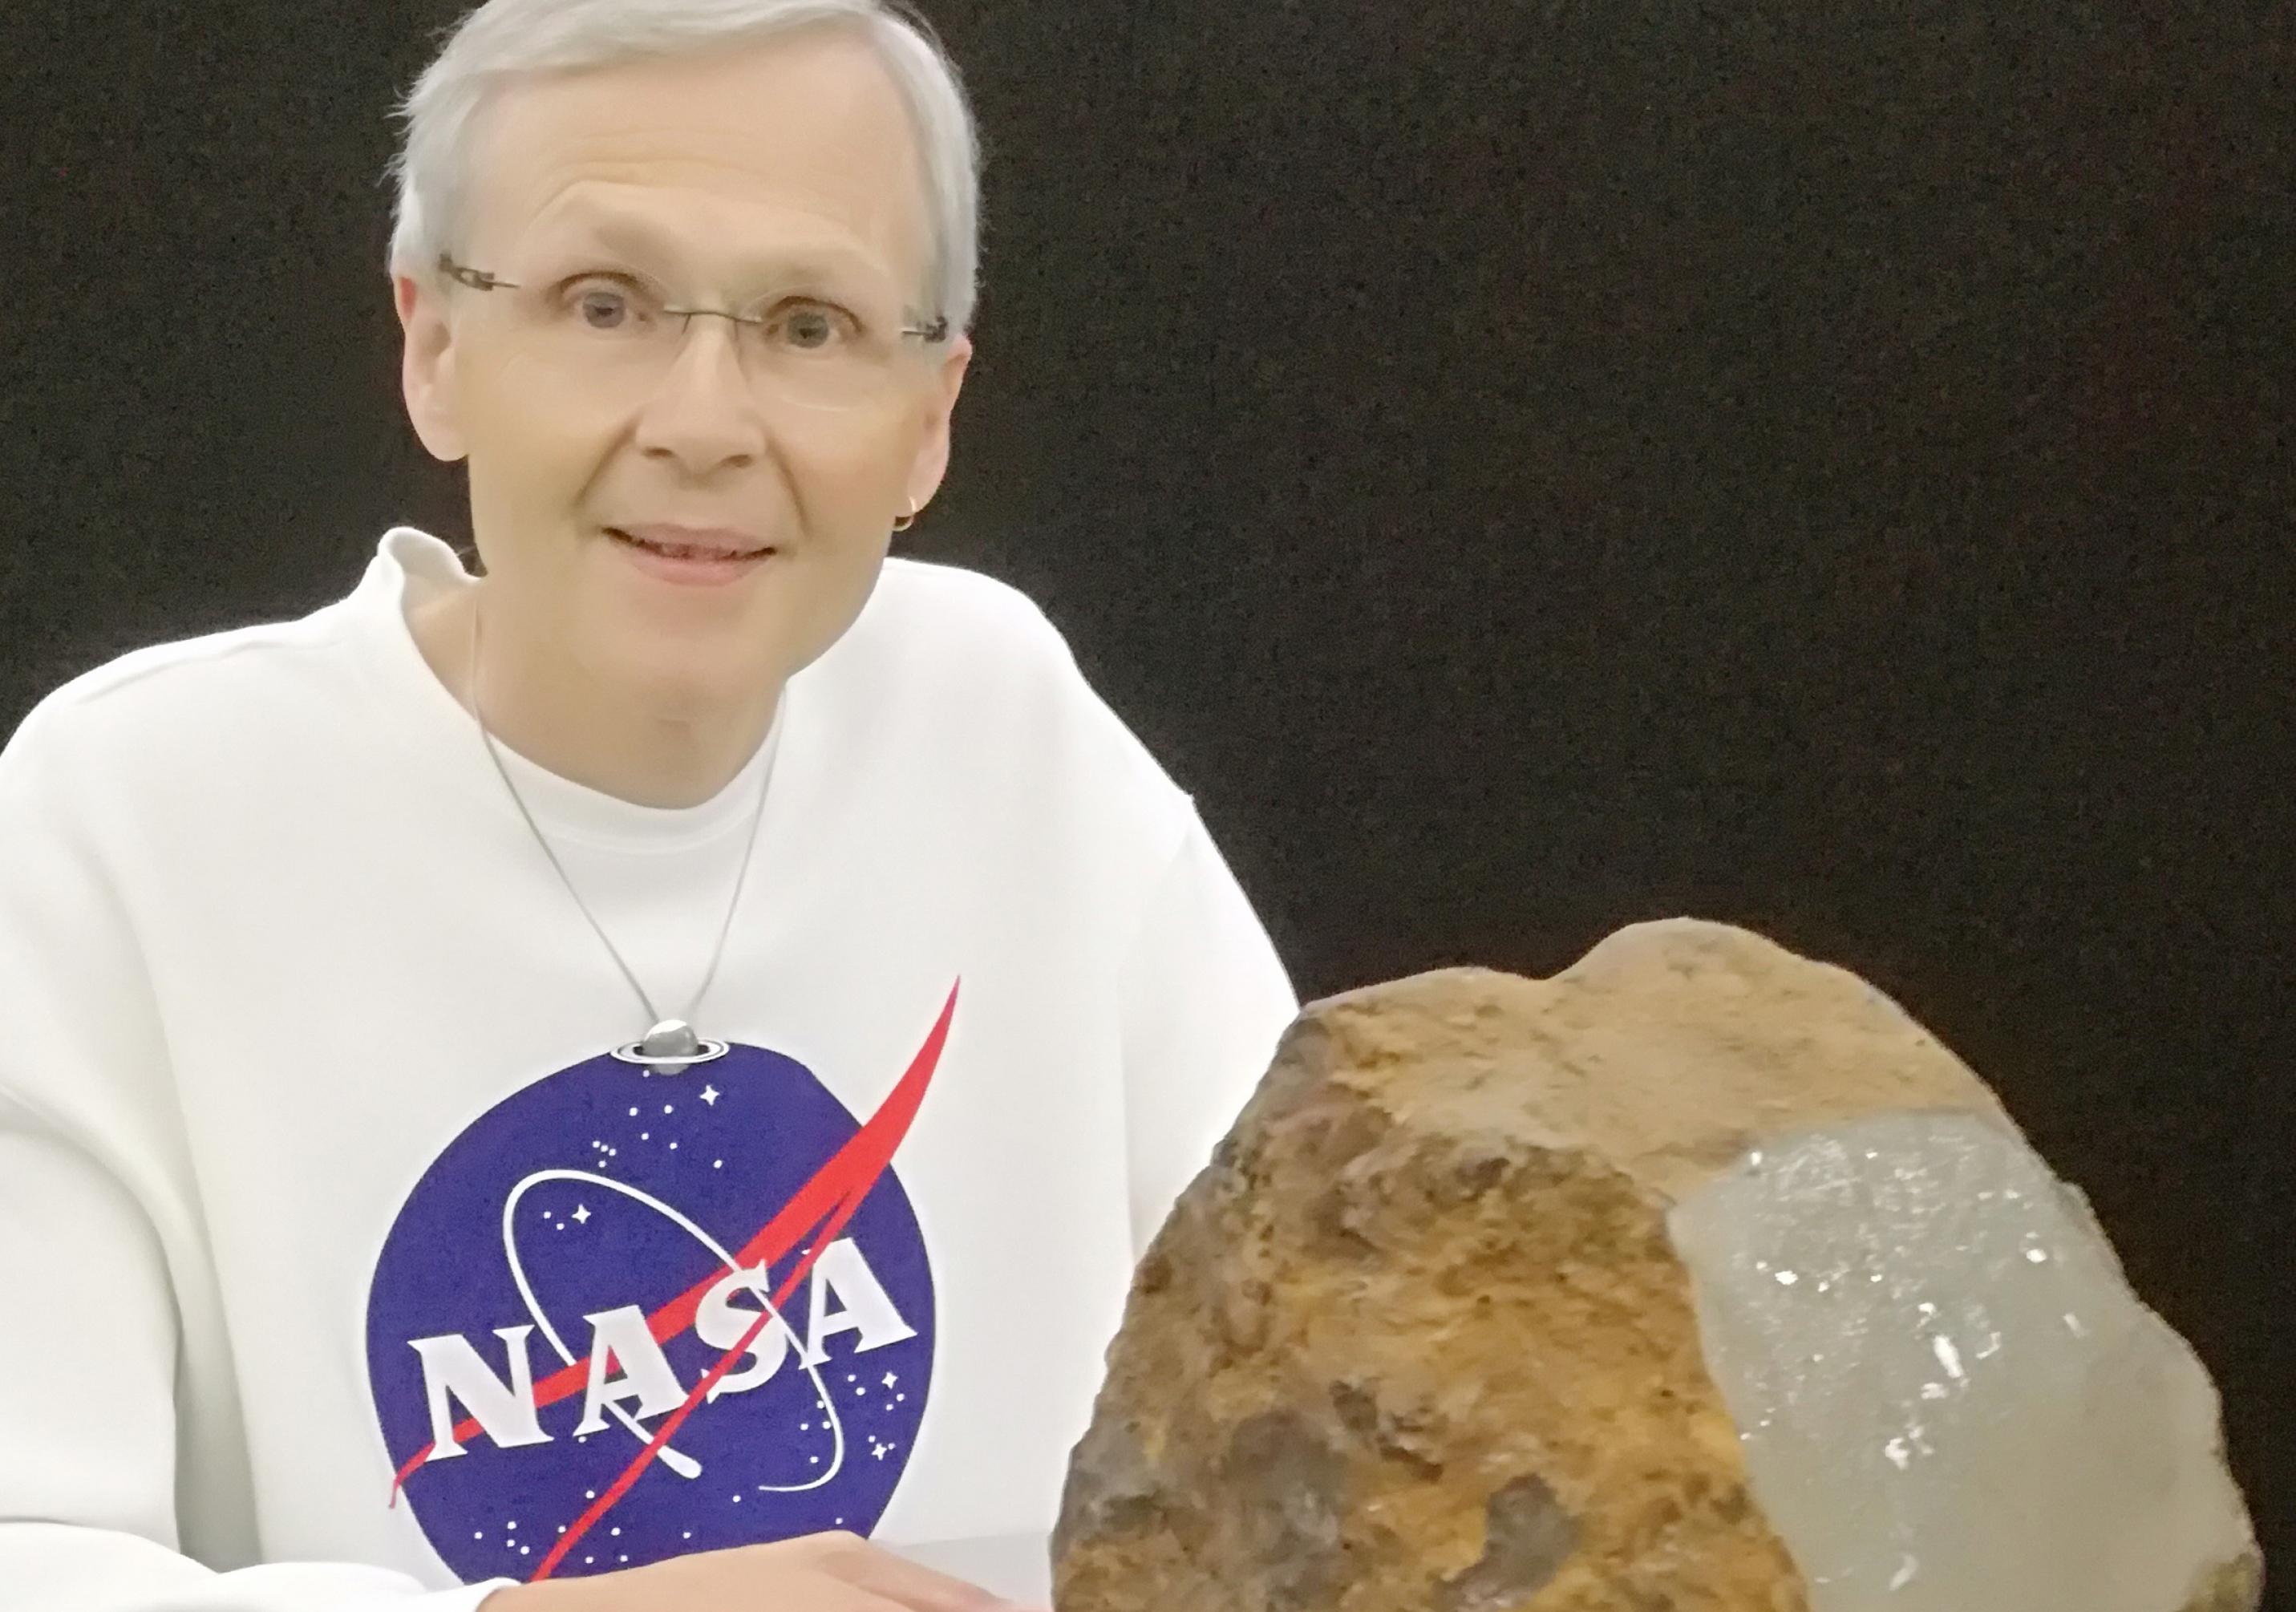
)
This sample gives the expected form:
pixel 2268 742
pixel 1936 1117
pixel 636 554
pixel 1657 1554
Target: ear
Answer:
pixel 426 368
pixel 931 461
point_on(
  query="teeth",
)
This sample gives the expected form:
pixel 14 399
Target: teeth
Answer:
pixel 686 550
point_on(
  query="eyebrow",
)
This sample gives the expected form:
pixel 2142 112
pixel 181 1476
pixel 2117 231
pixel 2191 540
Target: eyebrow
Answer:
pixel 613 232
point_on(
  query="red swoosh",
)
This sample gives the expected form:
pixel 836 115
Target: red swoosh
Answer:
pixel 831 1196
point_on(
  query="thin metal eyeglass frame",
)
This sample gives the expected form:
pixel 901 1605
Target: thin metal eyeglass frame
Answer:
pixel 479 280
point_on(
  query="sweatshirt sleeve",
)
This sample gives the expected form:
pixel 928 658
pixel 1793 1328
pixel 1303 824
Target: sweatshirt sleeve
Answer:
pixel 96 1220
pixel 1206 1001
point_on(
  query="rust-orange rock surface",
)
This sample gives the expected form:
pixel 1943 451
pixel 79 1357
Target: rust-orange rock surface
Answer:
pixel 1419 1337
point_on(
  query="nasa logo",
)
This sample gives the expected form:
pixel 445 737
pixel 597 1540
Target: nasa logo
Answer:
pixel 626 1316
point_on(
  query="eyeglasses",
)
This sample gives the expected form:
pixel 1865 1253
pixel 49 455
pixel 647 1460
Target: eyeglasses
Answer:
pixel 610 329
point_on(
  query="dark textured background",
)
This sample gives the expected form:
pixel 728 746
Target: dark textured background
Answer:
pixel 1525 466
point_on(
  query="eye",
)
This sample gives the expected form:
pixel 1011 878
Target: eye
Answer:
pixel 604 303
pixel 812 326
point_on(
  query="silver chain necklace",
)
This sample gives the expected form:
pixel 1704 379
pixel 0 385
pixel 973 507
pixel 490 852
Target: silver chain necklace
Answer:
pixel 671 1047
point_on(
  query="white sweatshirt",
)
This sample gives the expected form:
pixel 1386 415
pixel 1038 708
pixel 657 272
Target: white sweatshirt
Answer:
pixel 341 1263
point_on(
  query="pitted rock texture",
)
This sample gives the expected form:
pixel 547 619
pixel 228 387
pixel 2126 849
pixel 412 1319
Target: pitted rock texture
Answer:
pixel 1420 1335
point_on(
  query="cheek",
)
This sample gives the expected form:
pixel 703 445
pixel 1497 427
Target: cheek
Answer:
pixel 848 467
pixel 533 451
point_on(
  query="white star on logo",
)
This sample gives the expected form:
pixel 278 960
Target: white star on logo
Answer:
pixel 891 1379
pixel 581 1212
pixel 710 1094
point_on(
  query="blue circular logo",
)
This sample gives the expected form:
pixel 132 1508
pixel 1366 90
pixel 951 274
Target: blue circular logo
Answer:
pixel 624 1316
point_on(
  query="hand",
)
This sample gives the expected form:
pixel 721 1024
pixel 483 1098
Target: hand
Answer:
pixel 821 1573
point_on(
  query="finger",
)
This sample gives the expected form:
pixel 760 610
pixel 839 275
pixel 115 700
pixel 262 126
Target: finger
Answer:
pixel 837 1595
pixel 904 1583
pixel 813 1589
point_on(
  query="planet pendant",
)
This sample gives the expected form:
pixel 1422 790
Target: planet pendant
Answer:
pixel 670 1048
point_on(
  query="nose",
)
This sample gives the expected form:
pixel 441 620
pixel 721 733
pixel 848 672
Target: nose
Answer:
pixel 702 412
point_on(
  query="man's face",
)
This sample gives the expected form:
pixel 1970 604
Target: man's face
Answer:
pixel 701 176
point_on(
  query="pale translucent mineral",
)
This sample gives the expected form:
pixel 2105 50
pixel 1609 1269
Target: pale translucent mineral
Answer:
pixel 1949 1397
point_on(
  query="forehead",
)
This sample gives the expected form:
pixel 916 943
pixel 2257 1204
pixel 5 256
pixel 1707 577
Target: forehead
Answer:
pixel 796 150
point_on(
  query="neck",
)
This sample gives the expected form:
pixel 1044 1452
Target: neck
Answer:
pixel 557 716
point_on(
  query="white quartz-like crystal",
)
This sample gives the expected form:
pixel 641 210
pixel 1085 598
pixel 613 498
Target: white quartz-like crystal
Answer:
pixel 1953 1403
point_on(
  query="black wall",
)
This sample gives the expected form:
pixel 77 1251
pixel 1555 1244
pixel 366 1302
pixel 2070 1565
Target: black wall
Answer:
pixel 1526 466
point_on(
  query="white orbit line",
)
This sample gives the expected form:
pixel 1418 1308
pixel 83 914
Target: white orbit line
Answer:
pixel 683 1465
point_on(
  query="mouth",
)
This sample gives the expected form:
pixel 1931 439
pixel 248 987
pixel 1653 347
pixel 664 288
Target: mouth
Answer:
pixel 714 557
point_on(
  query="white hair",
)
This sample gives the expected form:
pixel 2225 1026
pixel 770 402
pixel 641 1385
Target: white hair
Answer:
pixel 503 41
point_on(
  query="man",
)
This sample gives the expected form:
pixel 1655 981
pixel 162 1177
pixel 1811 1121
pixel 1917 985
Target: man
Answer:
pixel 603 1087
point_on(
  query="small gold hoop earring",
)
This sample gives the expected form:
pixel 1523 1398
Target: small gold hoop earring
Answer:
pixel 906 521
